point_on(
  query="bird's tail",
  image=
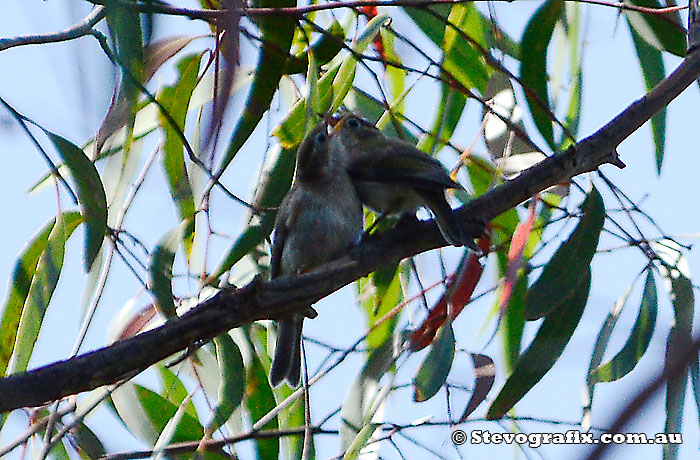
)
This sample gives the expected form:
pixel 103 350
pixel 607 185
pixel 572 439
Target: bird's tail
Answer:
pixel 286 364
pixel 449 225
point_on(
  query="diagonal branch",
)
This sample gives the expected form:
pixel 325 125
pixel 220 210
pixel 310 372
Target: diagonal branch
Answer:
pixel 232 307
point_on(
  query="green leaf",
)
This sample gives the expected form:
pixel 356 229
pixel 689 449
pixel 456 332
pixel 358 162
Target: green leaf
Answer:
pixel 533 65
pixel 86 442
pixel 432 373
pixel 260 400
pixel 345 78
pixel 290 131
pixel 544 351
pixel 638 341
pixel 91 195
pixel 652 64
pixel 277 34
pixel 513 322
pixel 461 58
pixel 35 300
pixel 599 348
pixel 324 49
pixel 175 100
pixel 333 86
pixel 364 394
pixel 360 441
pixel 18 290
pixel 395 76
pixel 449 113
pixel 663 32
pixel 695 379
pixel 145 414
pixel 174 390
pixel 570 264
pixel 125 27
pixel 675 271
pixel 232 386
pixel 380 292
pixel 160 271
pixel 675 388
pixel 168 432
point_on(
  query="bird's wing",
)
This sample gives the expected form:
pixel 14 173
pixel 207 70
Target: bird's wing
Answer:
pixel 400 166
pixel 286 215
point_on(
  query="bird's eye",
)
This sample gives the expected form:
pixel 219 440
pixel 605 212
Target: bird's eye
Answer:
pixel 321 138
pixel 354 123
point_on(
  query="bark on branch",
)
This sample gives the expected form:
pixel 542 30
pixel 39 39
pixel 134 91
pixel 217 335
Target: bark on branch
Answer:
pixel 258 300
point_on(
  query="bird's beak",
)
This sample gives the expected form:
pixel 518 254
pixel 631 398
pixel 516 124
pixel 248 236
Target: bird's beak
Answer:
pixel 336 124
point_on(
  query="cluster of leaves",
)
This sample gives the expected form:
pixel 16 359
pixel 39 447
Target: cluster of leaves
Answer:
pixel 327 54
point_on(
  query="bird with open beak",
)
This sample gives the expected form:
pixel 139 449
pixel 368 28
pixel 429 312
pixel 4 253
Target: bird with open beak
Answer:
pixel 317 221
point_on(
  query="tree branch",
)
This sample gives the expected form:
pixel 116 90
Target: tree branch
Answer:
pixel 231 308
pixel 75 31
pixel 212 15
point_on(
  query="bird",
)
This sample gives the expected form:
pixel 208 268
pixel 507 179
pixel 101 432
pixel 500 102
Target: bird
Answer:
pixel 393 178
pixel 319 219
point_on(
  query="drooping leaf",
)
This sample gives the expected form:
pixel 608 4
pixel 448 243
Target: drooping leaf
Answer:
pixel 35 300
pixel 146 414
pixel 561 276
pixel 290 131
pixel 637 342
pixel 174 390
pixel 652 64
pixel 155 54
pixel 663 32
pixel 379 293
pixel 360 441
pixel 259 401
pixel 544 350
pixel 484 376
pixel 125 27
pixel 449 113
pixel 395 76
pixel 277 34
pixel 675 270
pixel 175 100
pixel 324 49
pixel 533 65
pixel 433 371
pixel 88 445
pixel 160 271
pixel 18 290
pixel 364 395
pixel 599 348
pixel 461 59
pixel 515 257
pixel 91 195
pixel 675 388
pixel 695 380
pixel 456 296
pixel 232 386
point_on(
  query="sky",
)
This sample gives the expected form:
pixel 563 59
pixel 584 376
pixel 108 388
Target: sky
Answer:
pixel 66 88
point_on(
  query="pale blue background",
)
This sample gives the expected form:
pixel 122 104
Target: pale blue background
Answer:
pixel 66 88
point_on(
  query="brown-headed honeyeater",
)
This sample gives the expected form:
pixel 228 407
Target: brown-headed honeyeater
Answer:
pixel 393 177
pixel 317 221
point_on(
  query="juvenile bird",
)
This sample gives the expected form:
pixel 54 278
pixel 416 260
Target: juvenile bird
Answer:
pixel 392 177
pixel 317 221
